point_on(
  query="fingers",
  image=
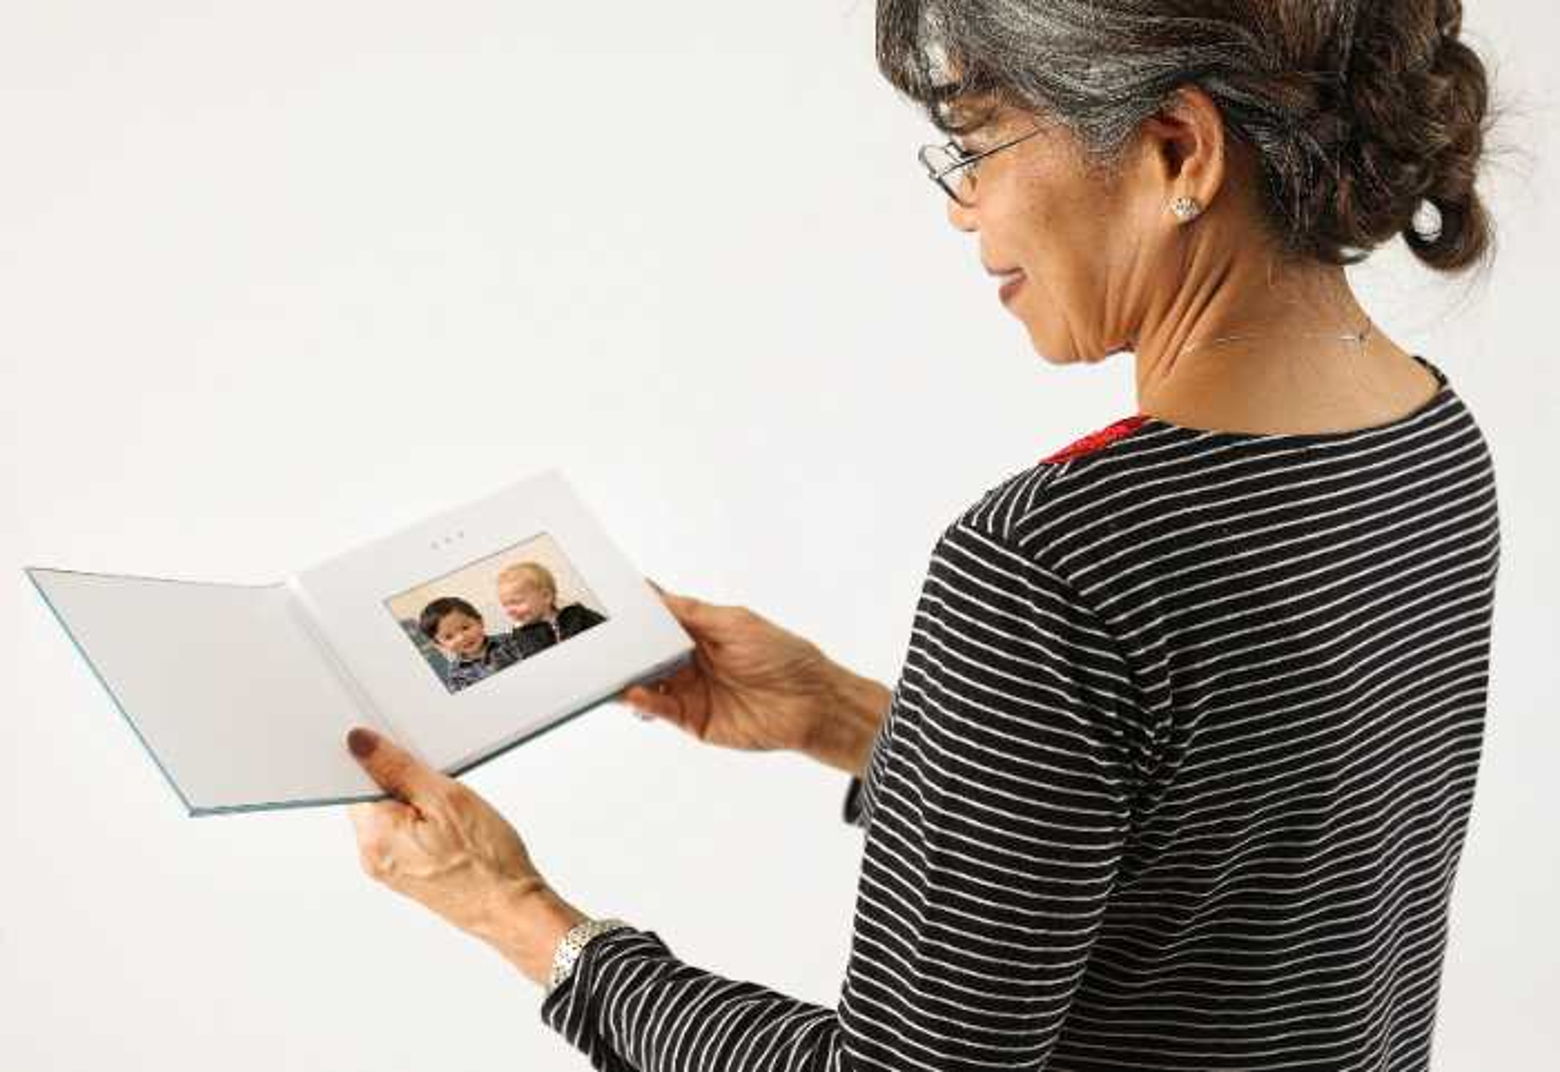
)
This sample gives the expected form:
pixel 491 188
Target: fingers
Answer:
pixel 675 698
pixel 396 770
pixel 378 825
pixel 638 699
pixel 648 704
pixel 372 820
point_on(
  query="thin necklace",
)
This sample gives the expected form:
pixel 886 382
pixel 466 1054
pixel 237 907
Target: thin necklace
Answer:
pixel 1356 336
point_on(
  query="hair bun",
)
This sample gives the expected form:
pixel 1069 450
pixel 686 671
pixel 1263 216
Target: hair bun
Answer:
pixel 1417 105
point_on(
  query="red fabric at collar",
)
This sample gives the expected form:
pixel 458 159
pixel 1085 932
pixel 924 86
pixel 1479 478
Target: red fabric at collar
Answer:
pixel 1096 440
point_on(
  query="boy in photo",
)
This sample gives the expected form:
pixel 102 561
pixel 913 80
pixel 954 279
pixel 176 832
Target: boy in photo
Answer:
pixel 457 628
pixel 529 595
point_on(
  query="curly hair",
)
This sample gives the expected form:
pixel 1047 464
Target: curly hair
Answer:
pixel 1361 112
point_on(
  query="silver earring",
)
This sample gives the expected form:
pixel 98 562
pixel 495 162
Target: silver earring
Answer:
pixel 1186 208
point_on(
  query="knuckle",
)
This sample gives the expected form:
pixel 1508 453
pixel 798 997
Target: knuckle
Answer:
pixel 454 802
pixel 376 853
pixel 450 801
pixel 371 860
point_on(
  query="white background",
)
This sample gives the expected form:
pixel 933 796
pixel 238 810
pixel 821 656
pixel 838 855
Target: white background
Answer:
pixel 276 279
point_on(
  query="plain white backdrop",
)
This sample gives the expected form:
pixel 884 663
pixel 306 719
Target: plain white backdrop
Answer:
pixel 276 279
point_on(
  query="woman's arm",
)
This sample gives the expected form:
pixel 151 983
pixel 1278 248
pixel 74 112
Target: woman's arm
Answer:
pixel 1001 811
pixel 843 737
pixel 1001 783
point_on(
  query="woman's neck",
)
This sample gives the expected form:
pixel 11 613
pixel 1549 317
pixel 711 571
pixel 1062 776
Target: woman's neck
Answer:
pixel 1288 370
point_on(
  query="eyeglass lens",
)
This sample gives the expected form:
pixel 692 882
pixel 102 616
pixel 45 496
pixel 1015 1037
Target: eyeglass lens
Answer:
pixel 941 162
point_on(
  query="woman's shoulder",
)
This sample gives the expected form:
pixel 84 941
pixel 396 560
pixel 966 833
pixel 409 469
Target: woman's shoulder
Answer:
pixel 1022 502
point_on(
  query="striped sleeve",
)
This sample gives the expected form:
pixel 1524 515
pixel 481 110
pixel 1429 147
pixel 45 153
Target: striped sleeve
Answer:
pixel 1000 790
pixel 857 807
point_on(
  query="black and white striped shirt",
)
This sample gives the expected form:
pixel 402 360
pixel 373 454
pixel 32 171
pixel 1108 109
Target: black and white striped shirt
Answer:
pixel 1176 775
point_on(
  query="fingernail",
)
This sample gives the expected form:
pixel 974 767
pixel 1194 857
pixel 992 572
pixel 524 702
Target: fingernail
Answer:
pixel 362 742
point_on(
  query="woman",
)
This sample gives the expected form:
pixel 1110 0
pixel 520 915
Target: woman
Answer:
pixel 1177 772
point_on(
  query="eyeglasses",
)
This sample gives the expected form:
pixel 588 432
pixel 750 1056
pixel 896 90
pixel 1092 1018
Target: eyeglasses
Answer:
pixel 949 166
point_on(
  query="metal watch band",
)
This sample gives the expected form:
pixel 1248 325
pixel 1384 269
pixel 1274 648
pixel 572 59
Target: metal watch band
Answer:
pixel 572 943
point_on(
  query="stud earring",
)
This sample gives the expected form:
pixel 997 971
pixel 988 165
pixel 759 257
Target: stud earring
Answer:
pixel 1185 208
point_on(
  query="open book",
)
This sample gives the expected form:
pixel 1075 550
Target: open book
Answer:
pixel 458 638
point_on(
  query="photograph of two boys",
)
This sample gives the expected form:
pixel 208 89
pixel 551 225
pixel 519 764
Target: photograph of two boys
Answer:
pixel 496 612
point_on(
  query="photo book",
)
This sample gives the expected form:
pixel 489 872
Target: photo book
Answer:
pixel 458 637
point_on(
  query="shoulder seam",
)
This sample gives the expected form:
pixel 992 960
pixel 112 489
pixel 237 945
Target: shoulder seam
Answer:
pixel 1152 726
pixel 1004 499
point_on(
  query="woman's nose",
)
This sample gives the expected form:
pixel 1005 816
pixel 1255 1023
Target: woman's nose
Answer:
pixel 961 216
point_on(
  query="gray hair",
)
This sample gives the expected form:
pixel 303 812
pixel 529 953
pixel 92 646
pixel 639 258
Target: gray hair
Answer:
pixel 1359 111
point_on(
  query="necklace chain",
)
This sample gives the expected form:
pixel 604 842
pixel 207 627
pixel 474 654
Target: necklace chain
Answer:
pixel 1354 336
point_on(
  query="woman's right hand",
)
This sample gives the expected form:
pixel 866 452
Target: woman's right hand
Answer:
pixel 753 685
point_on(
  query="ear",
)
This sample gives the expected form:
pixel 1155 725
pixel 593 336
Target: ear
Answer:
pixel 1184 147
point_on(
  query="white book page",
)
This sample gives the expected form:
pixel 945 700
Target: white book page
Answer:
pixel 366 604
pixel 222 683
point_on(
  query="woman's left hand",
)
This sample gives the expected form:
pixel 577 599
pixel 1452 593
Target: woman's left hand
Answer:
pixel 441 844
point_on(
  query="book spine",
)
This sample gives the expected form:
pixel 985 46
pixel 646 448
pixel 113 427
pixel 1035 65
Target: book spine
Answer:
pixel 302 608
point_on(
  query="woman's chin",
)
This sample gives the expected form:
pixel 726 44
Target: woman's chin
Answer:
pixel 1062 354
pixel 1052 351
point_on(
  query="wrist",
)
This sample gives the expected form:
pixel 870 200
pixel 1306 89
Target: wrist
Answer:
pixel 842 737
pixel 527 925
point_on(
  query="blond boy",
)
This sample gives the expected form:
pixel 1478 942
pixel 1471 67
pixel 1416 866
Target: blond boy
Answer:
pixel 529 595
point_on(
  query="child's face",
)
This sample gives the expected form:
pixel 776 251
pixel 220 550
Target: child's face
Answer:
pixel 524 601
pixel 460 634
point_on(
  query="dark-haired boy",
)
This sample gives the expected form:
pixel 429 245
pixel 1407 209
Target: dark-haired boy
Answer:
pixel 456 627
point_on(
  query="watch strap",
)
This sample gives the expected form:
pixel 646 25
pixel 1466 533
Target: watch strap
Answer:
pixel 573 943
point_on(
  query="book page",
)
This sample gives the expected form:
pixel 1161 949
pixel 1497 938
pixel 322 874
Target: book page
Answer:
pixel 222 684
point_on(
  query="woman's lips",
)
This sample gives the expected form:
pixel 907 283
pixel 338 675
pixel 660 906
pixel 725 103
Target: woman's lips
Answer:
pixel 1010 286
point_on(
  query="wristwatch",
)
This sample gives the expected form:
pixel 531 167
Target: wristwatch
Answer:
pixel 572 943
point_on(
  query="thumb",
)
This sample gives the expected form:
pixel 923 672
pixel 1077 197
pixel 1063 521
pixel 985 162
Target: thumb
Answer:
pixel 692 613
pixel 397 771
